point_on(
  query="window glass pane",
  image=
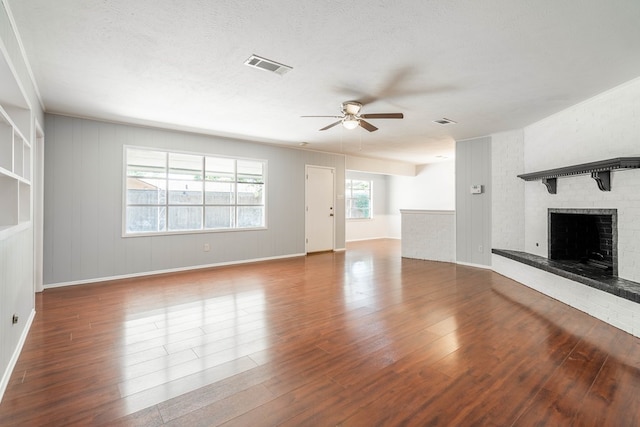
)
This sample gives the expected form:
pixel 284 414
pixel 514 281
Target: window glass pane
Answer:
pixel 361 201
pixel 180 191
pixel 219 216
pixel 250 216
pixel 146 163
pixel 219 193
pixel 185 192
pixel 250 171
pixel 185 166
pixel 145 219
pixel 185 218
pixel 359 186
pixel 360 193
pixel 250 194
pixel 144 191
pixel 359 213
pixel 358 198
pixel 220 169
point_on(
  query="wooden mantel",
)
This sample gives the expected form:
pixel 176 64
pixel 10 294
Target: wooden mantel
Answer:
pixel 600 171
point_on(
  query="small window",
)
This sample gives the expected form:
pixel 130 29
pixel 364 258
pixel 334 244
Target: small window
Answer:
pixel 184 192
pixel 359 199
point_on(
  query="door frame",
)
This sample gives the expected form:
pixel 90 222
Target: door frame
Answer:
pixel 306 205
pixel 37 192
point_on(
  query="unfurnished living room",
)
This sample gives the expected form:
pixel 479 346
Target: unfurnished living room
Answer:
pixel 362 213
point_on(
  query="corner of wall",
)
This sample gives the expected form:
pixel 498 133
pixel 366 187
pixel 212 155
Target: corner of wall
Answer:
pixel 473 210
pixel 508 196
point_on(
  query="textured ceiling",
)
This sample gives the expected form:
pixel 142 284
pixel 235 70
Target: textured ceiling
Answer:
pixel 489 65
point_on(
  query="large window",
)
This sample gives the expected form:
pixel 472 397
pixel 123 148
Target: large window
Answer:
pixel 182 192
pixel 358 199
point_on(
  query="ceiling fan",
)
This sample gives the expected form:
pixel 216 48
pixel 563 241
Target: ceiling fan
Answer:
pixel 351 117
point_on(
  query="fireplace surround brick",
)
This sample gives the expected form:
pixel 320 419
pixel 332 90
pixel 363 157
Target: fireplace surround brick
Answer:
pixel 599 128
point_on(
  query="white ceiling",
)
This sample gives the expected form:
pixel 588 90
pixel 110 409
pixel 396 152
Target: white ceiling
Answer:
pixel 489 65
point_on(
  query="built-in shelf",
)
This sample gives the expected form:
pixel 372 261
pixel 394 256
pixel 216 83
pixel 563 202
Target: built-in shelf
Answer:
pixel 600 171
pixel 15 173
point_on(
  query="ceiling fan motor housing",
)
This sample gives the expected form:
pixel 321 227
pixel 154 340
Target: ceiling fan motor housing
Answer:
pixel 351 108
pixel 351 117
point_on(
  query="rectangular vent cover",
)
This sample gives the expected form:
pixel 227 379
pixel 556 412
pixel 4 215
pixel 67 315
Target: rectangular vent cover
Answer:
pixel 444 121
pixel 260 63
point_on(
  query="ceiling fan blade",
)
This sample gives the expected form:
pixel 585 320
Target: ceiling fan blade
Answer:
pixel 335 117
pixel 382 116
pixel 332 125
pixel 368 126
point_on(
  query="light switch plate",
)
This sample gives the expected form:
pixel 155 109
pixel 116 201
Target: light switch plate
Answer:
pixel 476 189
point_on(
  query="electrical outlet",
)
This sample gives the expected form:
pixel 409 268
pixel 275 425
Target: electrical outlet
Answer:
pixel 206 248
pixel 14 319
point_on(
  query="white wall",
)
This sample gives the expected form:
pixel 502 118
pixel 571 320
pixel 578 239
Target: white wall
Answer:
pixel 433 188
pixel 507 197
pixel 473 211
pixel 83 203
pixel 378 166
pixel 429 235
pixel 601 128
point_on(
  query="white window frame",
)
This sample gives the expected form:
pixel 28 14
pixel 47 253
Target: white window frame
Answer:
pixel 349 197
pixel 167 204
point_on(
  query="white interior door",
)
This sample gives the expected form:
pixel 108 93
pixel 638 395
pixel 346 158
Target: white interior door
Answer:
pixel 320 209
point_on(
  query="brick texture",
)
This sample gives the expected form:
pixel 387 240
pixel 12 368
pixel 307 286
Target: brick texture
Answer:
pixel 429 235
pixel 604 127
pixel 601 128
pixel 507 161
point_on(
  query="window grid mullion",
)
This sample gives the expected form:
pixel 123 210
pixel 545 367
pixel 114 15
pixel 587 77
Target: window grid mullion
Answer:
pixel 235 195
pixel 166 193
pixel 166 180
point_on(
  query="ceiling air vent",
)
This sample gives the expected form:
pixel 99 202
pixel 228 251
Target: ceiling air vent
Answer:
pixel 265 64
pixel 443 121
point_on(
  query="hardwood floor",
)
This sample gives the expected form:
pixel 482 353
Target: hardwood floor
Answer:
pixel 361 338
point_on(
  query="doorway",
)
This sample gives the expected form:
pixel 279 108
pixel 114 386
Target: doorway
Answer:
pixel 319 209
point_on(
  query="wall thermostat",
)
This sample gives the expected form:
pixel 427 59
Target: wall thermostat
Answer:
pixel 476 189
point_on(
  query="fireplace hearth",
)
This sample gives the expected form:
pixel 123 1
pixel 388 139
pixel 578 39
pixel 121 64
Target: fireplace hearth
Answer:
pixel 584 239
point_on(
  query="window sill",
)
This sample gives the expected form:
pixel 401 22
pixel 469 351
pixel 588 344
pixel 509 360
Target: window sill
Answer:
pixel 181 232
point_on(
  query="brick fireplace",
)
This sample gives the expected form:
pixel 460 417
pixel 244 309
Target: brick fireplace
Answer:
pixel 600 129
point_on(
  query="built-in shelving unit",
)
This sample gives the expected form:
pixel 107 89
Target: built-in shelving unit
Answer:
pixel 15 174
pixel 600 171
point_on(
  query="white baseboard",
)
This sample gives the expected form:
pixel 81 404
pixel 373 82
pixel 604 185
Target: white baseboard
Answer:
pixel 373 238
pixel 170 270
pixel 16 354
pixel 468 264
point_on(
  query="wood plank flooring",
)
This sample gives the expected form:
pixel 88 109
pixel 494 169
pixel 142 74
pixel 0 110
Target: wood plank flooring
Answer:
pixel 361 338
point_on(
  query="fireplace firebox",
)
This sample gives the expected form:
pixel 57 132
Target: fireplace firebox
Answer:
pixel 585 237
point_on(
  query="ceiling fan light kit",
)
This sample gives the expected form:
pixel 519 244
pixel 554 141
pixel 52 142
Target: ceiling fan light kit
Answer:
pixel 351 117
pixel 350 122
